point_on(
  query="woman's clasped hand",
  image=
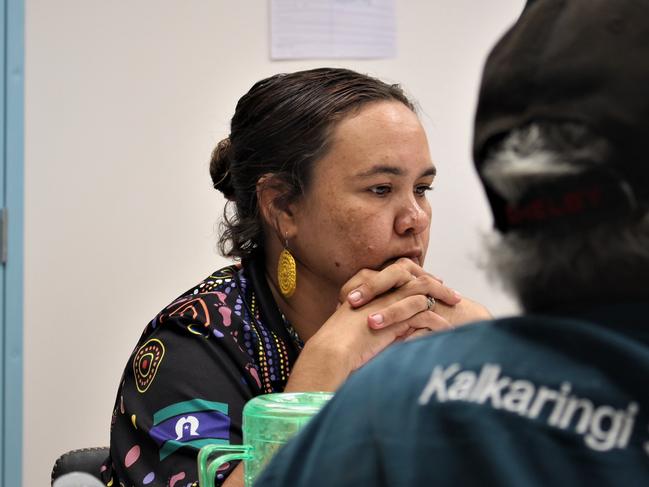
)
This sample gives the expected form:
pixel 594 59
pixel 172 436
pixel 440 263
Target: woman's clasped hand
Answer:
pixel 376 309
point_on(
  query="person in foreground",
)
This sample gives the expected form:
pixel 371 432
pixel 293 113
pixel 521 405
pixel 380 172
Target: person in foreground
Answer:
pixel 326 172
pixel 557 396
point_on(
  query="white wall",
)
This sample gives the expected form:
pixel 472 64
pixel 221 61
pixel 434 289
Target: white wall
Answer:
pixel 124 102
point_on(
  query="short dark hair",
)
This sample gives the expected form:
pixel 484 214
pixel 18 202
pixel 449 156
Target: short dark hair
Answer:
pixel 281 127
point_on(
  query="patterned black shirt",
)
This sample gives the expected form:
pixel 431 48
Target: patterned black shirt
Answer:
pixel 197 363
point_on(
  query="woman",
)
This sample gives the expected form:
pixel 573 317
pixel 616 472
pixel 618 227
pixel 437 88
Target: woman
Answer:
pixel 327 172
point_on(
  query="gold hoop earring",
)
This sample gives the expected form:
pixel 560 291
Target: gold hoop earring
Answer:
pixel 286 272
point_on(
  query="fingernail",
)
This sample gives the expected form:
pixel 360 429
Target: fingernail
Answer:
pixel 355 296
pixel 377 318
pixel 456 294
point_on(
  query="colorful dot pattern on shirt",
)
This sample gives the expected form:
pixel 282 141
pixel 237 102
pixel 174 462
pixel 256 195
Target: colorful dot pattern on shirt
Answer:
pixel 220 318
pixel 268 351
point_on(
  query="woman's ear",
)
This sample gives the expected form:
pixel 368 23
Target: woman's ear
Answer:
pixel 275 211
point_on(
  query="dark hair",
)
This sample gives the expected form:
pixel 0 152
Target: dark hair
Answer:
pixel 281 127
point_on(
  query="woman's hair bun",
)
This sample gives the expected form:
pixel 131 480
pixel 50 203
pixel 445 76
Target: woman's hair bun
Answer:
pixel 220 168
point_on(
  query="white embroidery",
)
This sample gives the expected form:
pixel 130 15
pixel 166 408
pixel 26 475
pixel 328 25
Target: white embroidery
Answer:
pixel 185 424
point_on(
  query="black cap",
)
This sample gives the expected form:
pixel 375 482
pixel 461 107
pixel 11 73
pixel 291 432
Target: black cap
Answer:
pixel 582 61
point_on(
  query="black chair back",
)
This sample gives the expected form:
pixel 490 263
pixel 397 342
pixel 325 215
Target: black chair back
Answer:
pixel 87 460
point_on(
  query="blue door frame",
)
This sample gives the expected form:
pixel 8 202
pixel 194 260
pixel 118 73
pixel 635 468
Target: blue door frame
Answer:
pixel 11 282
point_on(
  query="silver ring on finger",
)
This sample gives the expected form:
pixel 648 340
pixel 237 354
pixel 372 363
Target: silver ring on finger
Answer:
pixel 430 303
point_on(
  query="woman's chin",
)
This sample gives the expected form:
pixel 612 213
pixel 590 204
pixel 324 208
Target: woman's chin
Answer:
pixel 392 260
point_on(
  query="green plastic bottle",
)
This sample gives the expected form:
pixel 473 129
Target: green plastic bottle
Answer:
pixel 269 421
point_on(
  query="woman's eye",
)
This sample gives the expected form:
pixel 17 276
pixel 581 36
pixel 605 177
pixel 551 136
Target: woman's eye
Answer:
pixel 422 189
pixel 380 190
